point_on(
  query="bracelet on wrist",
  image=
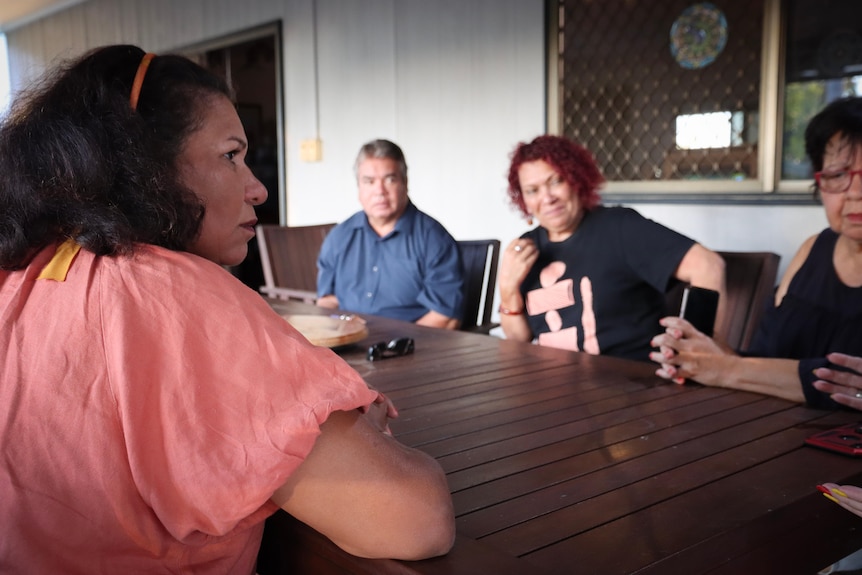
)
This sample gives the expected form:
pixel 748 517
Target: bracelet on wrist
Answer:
pixel 506 311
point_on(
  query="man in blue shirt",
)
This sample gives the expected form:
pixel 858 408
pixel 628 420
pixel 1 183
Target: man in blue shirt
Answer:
pixel 390 259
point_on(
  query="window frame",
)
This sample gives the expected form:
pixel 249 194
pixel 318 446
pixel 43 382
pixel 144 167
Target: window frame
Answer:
pixel 767 187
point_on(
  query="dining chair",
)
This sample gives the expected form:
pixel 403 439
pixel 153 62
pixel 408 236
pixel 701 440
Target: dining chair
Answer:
pixel 479 260
pixel 289 259
pixel 750 280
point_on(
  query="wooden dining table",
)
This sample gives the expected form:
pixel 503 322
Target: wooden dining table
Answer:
pixel 566 463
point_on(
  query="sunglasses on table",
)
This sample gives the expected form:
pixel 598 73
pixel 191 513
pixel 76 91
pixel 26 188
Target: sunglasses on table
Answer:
pixel 395 348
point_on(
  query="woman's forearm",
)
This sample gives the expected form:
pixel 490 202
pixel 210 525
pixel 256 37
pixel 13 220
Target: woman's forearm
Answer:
pixel 516 327
pixel 769 376
pixel 512 318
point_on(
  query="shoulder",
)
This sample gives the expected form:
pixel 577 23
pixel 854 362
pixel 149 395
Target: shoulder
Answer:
pixel 621 221
pixel 535 234
pixel 161 278
pixel 633 224
pixel 357 220
pixel 178 300
pixel 618 217
pixel 796 263
pixel 425 224
pixel 346 228
pixel 803 252
pixel 148 260
pixel 630 217
pixel 414 215
pixel 824 241
pixel 602 212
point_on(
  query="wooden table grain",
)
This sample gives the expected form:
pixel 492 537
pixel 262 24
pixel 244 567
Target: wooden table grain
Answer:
pixel 563 463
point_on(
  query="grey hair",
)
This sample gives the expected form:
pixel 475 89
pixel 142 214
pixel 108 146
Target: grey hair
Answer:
pixel 381 149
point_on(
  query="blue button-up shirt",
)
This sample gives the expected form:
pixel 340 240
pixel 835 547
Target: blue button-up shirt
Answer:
pixel 414 269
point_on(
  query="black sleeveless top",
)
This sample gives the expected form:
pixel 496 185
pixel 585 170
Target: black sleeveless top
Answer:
pixel 818 315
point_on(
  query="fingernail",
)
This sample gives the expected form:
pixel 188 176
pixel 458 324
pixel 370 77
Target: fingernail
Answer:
pixel 826 491
pixel 679 380
pixel 830 498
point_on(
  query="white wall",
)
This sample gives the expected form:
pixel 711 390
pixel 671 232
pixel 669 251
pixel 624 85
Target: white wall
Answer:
pixel 457 83
pixel 5 87
pixel 779 229
pixel 454 83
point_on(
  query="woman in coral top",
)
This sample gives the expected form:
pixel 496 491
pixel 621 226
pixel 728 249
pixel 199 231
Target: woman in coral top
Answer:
pixel 155 410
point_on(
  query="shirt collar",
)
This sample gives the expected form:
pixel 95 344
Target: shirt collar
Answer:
pixel 405 221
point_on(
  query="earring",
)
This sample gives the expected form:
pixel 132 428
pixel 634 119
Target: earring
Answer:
pixel 529 219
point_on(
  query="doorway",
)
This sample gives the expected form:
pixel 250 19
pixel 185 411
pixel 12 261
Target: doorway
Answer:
pixel 251 63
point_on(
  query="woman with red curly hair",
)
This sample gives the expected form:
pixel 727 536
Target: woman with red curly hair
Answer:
pixel 589 277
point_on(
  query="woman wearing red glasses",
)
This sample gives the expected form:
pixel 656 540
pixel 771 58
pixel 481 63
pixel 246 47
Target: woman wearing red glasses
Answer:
pixel 808 345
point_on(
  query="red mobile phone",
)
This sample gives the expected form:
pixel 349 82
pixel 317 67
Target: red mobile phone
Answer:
pixel 845 439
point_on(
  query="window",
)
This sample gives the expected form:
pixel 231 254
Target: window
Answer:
pixel 682 98
pixel 823 63
pixel 709 130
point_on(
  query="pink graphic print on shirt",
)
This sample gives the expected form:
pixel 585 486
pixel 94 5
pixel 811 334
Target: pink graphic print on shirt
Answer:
pixel 555 295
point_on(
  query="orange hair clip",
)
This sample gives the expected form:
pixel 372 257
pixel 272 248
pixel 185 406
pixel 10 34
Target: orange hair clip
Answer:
pixel 139 79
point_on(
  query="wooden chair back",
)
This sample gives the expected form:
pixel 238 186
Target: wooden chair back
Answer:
pixel 289 259
pixel 750 279
pixel 479 260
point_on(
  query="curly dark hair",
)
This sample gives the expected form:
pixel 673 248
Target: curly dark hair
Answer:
pixel 76 162
pixel 571 161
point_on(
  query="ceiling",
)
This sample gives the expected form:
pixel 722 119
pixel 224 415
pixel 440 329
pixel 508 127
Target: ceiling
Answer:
pixel 14 13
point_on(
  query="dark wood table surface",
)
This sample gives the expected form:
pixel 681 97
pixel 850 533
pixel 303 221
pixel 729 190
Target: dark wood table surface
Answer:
pixel 563 463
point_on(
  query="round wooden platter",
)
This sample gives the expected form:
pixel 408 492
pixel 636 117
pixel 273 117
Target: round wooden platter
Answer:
pixel 328 331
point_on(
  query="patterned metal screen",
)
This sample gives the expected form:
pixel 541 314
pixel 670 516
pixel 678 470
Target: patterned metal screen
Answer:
pixel 664 90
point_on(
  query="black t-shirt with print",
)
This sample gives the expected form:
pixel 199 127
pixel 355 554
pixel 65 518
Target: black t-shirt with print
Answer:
pixel 619 262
